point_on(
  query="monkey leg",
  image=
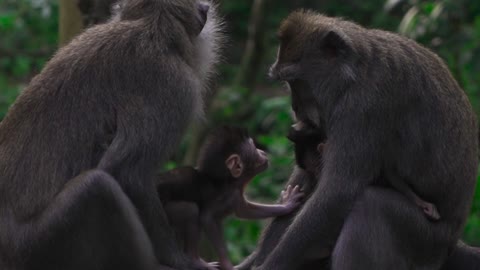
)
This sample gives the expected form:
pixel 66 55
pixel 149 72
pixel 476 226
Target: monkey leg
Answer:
pixel 90 224
pixel 185 218
pixel 386 231
pixel 429 209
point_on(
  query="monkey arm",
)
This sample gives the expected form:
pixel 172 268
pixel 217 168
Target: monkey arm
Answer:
pixel 214 231
pixel 290 200
pixel 137 147
pixel 142 141
pixel 250 210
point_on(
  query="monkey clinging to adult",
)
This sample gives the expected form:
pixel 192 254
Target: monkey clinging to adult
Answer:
pixel 132 84
pixel 198 199
pixel 390 108
pixel 309 147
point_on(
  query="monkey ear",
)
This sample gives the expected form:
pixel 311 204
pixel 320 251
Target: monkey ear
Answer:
pixel 336 43
pixel 235 165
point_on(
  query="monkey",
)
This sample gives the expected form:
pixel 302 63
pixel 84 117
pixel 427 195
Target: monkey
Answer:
pixel 198 199
pixel 389 107
pixel 309 144
pixel 133 84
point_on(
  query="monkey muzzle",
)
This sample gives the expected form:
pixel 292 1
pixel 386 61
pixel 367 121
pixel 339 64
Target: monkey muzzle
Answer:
pixel 203 9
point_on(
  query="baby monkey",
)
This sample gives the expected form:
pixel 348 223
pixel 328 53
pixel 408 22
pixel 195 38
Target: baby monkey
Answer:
pixel 309 146
pixel 198 199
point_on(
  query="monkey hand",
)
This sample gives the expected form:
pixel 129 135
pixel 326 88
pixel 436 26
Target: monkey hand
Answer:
pixel 200 264
pixel 291 198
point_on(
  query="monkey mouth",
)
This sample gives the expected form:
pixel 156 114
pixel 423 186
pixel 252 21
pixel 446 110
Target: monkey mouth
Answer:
pixel 262 166
pixel 273 74
pixel 203 9
pixel 298 126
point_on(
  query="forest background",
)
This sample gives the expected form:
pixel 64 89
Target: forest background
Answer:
pixel 32 30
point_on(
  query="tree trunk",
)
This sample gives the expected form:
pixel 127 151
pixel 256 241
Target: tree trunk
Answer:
pixel 70 21
pixel 254 48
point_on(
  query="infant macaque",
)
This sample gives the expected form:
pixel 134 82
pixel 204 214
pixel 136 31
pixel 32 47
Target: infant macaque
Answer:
pixel 198 199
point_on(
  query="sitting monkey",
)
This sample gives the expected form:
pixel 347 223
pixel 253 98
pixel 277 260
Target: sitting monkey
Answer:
pixel 309 146
pixel 199 198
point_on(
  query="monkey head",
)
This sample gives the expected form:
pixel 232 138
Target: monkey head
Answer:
pixel 191 30
pixel 309 144
pixel 230 152
pixel 316 60
pixel 248 161
pixel 189 16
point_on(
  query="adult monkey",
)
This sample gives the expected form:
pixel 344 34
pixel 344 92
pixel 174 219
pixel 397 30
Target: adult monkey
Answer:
pixel 79 147
pixel 390 109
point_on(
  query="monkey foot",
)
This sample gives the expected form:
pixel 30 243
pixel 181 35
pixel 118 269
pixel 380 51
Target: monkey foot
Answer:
pixel 431 211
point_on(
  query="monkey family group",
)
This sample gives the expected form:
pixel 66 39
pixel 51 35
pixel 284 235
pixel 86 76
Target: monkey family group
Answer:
pixel 385 144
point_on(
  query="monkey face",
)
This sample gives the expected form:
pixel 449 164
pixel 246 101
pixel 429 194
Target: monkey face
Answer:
pixel 193 14
pixel 310 48
pixel 317 61
pixel 287 66
pixel 202 15
pixel 304 104
pixel 309 144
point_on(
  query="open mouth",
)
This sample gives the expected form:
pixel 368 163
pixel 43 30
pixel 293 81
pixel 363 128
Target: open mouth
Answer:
pixel 263 166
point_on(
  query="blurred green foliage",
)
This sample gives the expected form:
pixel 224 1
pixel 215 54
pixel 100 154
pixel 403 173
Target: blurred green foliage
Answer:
pixel 29 31
pixel 28 37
